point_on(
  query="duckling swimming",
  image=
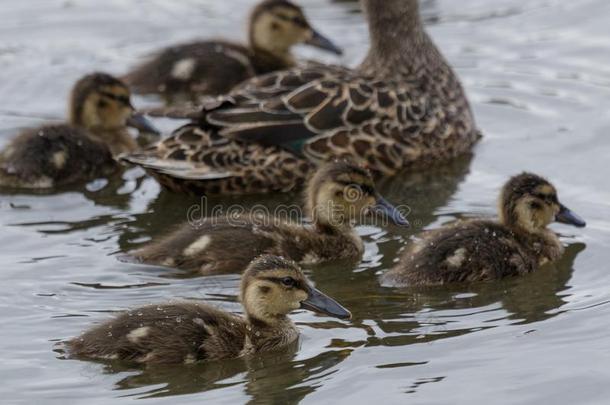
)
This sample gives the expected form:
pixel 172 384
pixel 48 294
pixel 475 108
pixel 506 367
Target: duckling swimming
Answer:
pixel 82 149
pixel 338 194
pixel 215 67
pixel 189 332
pixel 479 250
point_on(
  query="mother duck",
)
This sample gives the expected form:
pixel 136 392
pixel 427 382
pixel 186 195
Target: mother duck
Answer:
pixel 402 107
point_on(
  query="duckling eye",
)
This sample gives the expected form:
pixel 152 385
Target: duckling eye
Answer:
pixel 288 281
pixel 535 205
pixel 102 104
pixel 299 21
pixel 367 189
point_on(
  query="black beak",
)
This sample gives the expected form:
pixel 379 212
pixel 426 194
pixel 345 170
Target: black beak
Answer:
pixel 141 123
pixel 323 304
pixel 320 41
pixel 566 216
pixel 388 211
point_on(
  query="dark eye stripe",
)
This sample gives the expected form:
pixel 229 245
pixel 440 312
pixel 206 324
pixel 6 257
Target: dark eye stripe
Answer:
pixel 300 22
pixel 283 17
pixel 368 189
pixel 278 280
pixel 121 99
pixel 365 188
pixel 296 19
pixel 546 197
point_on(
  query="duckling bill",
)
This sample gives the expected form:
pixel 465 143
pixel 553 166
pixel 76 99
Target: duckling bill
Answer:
pixel 80 150
pixel 190 332
pixel 481 250
pixel 338 194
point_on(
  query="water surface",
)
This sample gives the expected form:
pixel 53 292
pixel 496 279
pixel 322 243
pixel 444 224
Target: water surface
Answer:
pixel 538 76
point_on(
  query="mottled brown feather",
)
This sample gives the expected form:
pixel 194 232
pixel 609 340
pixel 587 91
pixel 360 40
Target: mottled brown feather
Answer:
pixel 403 107
pixel 482 250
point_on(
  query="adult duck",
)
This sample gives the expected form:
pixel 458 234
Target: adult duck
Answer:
pixel 402 107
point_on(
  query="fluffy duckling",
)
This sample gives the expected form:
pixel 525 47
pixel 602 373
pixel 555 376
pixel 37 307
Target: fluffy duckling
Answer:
pixel 479 250
pixel 82 149
pixel 215 67
pixel 189 332
pixel 338 195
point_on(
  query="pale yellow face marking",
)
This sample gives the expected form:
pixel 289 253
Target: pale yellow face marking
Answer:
pixel 276 34
pixel 112 115
pixel 534 219
pixel 341 205
pixel 277 300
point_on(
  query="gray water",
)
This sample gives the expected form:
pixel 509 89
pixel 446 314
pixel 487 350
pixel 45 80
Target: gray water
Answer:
pixel 538 76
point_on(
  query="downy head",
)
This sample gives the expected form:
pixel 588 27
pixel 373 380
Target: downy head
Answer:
pixel 102 102
pixel 277 25
pixel 272 287
pixel 341 193
pixel 529 202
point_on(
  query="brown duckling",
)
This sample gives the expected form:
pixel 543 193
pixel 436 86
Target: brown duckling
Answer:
pixel 338 194
pixel 215 67
pixel 479 250
pixel 82 149
pixel 189 332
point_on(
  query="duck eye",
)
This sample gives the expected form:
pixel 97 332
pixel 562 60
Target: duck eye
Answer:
pixel 367 189
pixel 102 104
pixel 299 21
pixel 535 205
pixel 288 281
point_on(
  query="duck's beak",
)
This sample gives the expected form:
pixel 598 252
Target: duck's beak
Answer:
pixel 142 124
pixel 319 302
pixel 566 216
pixel 320 41
pixel 388 211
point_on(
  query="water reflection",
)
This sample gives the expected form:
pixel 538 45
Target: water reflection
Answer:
pixel 425 314
pixel 113 191
pixel 539 94
pixel 274 377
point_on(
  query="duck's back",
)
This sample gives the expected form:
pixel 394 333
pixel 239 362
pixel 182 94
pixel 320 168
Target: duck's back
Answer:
pixel 213 245
pixel 53 155
pixel 197 68
pixel 172 333
pixel 228 244
pixel 465 252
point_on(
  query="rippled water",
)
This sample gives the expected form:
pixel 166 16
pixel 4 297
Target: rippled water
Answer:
pixel 538 75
